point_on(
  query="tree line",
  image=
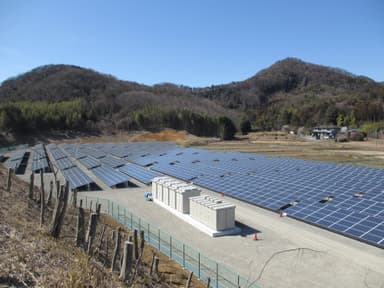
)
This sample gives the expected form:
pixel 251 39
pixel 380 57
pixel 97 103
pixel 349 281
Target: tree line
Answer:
pixel 78 114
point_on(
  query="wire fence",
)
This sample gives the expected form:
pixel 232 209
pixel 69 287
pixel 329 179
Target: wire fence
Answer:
pixel 191 259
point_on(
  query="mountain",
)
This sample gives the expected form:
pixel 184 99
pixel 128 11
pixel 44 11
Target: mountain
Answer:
pixel 290 91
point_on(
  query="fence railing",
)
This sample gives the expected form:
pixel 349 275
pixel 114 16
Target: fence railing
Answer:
pixel 188 257
pixel 11 148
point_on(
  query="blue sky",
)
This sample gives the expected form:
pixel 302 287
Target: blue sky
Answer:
pixel 195 43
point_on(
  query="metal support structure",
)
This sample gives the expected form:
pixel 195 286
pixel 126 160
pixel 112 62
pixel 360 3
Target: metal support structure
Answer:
pixel 183 255
pixel 198 266
pixel 217 275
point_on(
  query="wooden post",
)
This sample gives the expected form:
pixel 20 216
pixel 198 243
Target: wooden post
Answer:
pixel 9 182
pixel 90 206
pixel 41 184
pixel 80 227
pixel 156 265
pixel 42 198
pixel 101 239
pixel 142 242
pixel 98 208
pixel 31 186
pixel 91 231
pixel 152 263
pixel 59 213
pixel 74 193
pixel 50 193
pixel 189 280
pixel 57 189
pixel 127 261
pixel 209 282
pixel 116 250
pixel 136 244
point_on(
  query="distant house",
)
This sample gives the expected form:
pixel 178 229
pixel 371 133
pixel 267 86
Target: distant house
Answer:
pixel 325 132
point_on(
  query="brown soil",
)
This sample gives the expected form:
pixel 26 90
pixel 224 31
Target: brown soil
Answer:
pixel 30 257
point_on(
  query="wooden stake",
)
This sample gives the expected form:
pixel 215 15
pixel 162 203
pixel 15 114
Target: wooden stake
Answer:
pixel 127 261
pixel 50 193
pixel 42 198
pixel 152 263
pixel 80 228
pixel 59 212
pixel 90 206
pixel 116 250
pixel 91 231
pixel 9 182
pixel 156 265
pixel 98 208
pixel 209 282
pixel 142 242
pixel 57 189
pixel 31 186
pixel 74 193
pixel 189 280
pixel 136 244
pixel 101 239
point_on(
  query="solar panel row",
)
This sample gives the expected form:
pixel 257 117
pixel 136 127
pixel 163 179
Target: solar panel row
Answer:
pixel 110 176
pixel 76 178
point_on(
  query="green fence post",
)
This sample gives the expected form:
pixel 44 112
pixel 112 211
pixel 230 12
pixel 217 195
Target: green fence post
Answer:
pixel 238 281
pixel 148 234
pixel 198 266
pixel 217 275
pixel 112 208
pixel 183 255
pixel 108 208
pixel 118 213
pixel 170 247
pixel 125 217
pixel 159 241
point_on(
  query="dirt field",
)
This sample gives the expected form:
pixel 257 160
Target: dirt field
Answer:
pixel 367 153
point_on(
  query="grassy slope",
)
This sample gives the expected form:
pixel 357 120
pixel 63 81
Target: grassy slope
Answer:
pixel 29 257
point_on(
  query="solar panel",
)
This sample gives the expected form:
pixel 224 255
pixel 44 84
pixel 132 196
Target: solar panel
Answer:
pixel 139 173
pixel 57 154
pixel 76 178
pixel 112 162
pixel 89 162
pixel 40 164
pixel 65 163
pixel 110 176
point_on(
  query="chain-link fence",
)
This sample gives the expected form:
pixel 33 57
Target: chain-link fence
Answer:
pixel 191 259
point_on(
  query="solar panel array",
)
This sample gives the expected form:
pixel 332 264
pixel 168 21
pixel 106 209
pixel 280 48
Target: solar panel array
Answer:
pixel 345 199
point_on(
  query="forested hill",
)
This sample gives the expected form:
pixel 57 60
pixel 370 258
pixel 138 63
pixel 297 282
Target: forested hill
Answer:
pixel 288 92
